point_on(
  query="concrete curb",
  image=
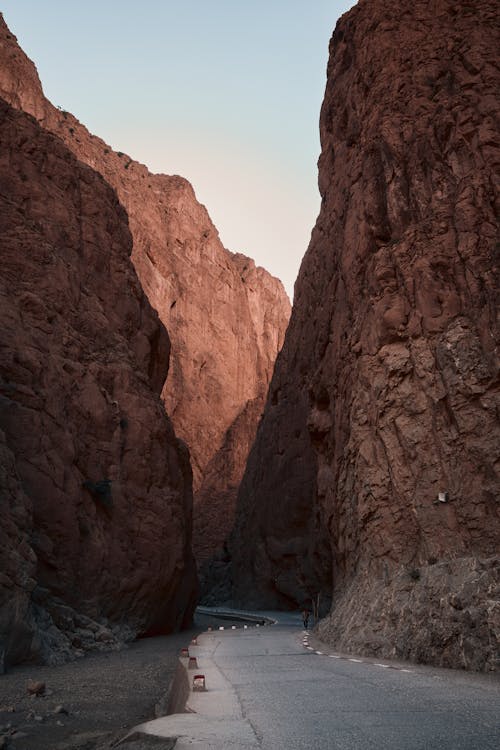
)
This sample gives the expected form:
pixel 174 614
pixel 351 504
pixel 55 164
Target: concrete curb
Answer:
pixel 208 720
pixel 175 699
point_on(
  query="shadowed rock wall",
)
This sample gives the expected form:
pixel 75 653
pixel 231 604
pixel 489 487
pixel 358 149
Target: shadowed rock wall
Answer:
pixel 95 489
pixel 385 395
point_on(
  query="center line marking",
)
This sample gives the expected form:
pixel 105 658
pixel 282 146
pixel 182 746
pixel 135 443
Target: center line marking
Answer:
pixel 358 661
pixel 385 666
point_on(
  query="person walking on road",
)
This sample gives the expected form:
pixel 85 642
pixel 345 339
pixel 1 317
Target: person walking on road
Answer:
pixel 305 618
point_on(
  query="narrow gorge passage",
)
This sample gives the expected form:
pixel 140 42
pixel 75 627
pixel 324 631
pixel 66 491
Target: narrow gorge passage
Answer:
pixel 173 432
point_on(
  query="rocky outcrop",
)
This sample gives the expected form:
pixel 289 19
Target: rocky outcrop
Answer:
pixel 95 487
pixel 226 318
pixel 381 427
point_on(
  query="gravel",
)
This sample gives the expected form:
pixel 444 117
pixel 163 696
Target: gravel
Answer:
pixel 90 703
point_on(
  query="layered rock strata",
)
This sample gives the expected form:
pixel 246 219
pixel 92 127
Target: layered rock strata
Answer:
pixel 381 424
pixel 226 318
pixel 95 487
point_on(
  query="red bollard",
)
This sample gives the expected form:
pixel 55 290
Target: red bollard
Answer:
pixel 199 683
pixel 193 664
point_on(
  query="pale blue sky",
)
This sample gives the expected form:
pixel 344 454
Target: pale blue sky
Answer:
pixel 227 94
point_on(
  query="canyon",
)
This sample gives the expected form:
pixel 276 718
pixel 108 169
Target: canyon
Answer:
pixel 97 485
pixel 373 479
pixel 343 458
pixel 226 318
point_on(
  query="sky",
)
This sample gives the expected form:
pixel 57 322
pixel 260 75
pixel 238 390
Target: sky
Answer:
pixel 223 92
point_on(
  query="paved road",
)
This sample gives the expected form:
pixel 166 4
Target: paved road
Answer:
pixel 294 698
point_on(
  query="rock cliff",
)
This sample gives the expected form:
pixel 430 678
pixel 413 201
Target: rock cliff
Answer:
pixel 95 489
pixel 226 318
pixel 380 431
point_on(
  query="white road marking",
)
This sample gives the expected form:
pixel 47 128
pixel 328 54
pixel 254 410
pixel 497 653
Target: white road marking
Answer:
pixel 356 661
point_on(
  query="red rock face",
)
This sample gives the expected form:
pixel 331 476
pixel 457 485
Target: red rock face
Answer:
pixel 95 487
pixel 382 404
pixel 217 495
pixel 225 317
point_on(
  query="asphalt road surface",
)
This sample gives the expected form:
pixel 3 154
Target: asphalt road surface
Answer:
pixel 290 697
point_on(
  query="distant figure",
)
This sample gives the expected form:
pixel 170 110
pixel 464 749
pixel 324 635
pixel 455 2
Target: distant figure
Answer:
pixel 305 618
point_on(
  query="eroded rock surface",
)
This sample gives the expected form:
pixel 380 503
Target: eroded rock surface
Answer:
pixel 95 487
pixel 217 495
pixel 381 425
pixel 226 318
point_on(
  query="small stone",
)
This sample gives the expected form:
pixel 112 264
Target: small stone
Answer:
pixel 60 710
pixel 38 717
pixel 104 636
pixel 59 723
pixel 35 687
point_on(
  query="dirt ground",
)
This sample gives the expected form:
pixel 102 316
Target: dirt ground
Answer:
pixel 90 703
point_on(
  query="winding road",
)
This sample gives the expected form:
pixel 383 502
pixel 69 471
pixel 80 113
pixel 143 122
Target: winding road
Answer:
pixel 274 688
